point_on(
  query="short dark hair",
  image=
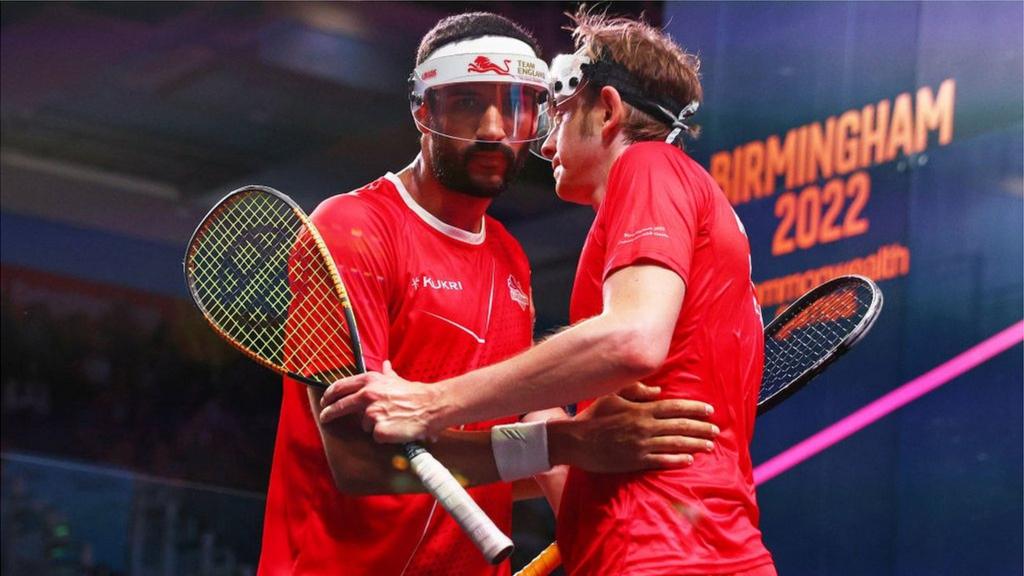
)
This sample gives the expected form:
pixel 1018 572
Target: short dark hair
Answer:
pixel 472 25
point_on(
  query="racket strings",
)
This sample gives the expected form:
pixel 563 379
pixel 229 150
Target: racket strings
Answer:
pixel 811 334
pixel 264 283
pixel 243 298
pixel 319 341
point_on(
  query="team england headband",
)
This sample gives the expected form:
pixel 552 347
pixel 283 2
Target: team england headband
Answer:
pixel 484 59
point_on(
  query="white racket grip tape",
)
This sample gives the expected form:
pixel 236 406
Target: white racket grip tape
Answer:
pixel 492 542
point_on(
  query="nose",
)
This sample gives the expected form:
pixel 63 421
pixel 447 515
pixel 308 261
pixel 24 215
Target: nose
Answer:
pixel 492 125
pixel 547 150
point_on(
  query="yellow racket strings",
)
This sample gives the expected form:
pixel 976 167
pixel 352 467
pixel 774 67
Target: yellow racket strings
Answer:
pixel 318 342
pixel 262 281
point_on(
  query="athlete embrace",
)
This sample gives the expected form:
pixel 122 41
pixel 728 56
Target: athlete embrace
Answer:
pixel 662 293
pixel 440 289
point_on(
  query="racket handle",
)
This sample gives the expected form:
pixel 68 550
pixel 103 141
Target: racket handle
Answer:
pixel 491 541
pixel 544 564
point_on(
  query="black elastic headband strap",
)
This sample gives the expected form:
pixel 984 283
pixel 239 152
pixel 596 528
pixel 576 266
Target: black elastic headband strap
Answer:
pixel 605 72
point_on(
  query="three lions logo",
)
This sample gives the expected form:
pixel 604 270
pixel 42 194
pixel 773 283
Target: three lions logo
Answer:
pixel 483 64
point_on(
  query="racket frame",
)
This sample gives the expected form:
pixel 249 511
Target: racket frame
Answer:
pixel 337 285
pixel 844 345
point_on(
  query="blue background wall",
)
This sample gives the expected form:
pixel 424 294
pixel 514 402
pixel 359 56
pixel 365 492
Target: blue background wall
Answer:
pixel 934 488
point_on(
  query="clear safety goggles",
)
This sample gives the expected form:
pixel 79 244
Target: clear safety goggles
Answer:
pixel 571 73
pixel 482 97
pixel 565 83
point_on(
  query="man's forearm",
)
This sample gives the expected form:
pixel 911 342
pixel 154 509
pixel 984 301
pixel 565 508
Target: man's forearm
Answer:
pixel 590 359
pixel 615 434
pixel 627 341
pixel 360 466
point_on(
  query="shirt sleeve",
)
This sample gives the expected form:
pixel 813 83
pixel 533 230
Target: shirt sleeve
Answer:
pixel 651 212
pixel 359 241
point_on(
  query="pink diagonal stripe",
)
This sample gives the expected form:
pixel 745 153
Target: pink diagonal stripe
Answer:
pixel 894 400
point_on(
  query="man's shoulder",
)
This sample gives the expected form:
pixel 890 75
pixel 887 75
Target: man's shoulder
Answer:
pixel 376 201
pixel 654 153
pixel 662 160
pixel 377 195
pixel 651 149
pixel 500 236
pixel 657 166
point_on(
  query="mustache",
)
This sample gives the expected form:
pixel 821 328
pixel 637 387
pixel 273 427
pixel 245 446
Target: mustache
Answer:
pixel 481 147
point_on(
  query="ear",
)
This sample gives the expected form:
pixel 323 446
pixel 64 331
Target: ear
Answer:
pixel 614 113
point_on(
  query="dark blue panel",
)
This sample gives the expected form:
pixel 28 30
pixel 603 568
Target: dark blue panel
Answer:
pixel 979 44
pixel 959 483
pixel 936 487
pixel 92 255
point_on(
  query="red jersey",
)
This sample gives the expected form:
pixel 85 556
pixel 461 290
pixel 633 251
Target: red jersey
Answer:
pixel 437 301
pixel 662 208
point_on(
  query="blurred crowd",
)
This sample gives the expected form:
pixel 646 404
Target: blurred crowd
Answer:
pixel 144 386
pixel 154 393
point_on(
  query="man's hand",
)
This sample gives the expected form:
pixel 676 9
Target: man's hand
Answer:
pixel 632 431
pixel 394 410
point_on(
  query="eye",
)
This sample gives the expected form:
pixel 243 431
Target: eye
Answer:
pixel 561 114
pixel 557 120
pixel 467 102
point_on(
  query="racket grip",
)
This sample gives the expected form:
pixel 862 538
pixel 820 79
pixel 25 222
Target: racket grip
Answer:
pixel 492 542
pixel 544 564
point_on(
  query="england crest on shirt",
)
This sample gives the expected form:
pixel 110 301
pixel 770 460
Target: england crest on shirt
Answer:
pixel 515 291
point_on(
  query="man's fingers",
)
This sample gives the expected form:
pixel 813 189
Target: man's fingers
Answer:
pixel 346 405
pixel 681 409
pixel 654 461
pixel 640 392
pixel 684 427
pixel 678 445
pixel 343 387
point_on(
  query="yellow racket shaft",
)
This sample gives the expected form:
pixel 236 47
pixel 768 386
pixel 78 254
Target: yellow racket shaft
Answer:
pixel 544 564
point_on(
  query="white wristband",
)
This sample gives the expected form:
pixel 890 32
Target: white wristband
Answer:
pixel 520 450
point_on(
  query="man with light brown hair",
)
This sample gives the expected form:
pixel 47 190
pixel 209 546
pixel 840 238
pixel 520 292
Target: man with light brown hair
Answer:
pixel 662 293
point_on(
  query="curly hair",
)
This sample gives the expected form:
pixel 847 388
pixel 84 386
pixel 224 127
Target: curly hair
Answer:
pixel 654 59
pixel 472 25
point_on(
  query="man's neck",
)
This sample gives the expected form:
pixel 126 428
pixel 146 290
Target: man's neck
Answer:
pixel 451 207
pixel 614 152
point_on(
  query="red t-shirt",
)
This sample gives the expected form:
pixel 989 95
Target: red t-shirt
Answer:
pixel 662 208
pixel 437 301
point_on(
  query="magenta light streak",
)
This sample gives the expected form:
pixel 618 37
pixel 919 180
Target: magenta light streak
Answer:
pixel 894 400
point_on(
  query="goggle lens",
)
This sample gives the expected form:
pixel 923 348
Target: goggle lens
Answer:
pixel 484 111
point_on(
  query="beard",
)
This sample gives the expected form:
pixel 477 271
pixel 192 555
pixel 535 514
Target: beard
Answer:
pixel 451 166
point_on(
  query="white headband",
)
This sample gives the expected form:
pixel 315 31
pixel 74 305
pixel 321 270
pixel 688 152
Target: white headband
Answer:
pixel 485 59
